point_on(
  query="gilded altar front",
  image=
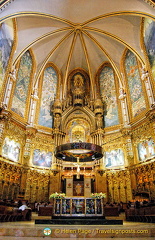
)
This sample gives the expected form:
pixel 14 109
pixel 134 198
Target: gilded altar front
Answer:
pixel 78 207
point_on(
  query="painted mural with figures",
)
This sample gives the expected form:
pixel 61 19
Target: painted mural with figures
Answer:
pixel 108 95
pixel 146 149
pixel 22 85
pixel 48 94
pixel 134 84
pixel 149 39
pixel 114 158
pixel 11 149
pixel 6 42
pixel 42 158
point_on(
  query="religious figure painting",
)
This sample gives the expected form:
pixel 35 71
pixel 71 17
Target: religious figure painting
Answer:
pixel 6 42
pixel 149 40
pixel 11 149
pixel 78 188
pixel 22 85
pixel 42 158
pixel 134 84
pixel 114 158
pixel 146 149
pixel 48 95
pixel 108 95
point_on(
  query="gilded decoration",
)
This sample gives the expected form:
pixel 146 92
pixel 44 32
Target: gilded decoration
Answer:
pixel 144 179
pixel 78 89
pixel 78 130
pixel 10 178
pixel 37 186
pixel 119 186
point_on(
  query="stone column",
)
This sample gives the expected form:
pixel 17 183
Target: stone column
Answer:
pixel 128 143
pixel 11 80
pixel 33 104
pixel 145 77
pixel 123 101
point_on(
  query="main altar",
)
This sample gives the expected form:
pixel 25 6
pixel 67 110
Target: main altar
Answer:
pixel 77 207
pixel 72 207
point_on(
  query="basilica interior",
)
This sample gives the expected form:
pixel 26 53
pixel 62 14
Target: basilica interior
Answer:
pixel 77 99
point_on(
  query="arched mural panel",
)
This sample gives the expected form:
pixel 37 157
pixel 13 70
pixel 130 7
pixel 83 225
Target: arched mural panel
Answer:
pixel 49 87
pixel 22 85
pixel 108 95
pixel 6 42
pixel 149 40
pixel 134 84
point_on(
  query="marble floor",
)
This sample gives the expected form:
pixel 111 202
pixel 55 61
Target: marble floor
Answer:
pixel 30 231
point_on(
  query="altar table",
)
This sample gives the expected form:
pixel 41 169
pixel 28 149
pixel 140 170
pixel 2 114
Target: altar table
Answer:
pixel 78 206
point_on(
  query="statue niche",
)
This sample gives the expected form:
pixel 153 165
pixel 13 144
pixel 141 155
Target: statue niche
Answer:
pixel 78 90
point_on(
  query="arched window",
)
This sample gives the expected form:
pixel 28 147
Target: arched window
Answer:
pixel 22 85
pixel 108 95
pixel 134 84
pixel 49 86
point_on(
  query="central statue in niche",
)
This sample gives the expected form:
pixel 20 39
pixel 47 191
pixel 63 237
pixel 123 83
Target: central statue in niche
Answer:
pixel 78 90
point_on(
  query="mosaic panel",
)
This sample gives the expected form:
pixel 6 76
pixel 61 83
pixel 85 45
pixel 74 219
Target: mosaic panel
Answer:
pixel 146 149
pixel 22 85
pixel 42 158
pixel 134 84
pixel 108 95
pixel 114 158
pixel 6 41
pixel 48 95
pixel 149 40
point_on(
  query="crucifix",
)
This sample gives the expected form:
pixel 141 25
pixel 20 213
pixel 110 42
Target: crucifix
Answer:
pixel 78 164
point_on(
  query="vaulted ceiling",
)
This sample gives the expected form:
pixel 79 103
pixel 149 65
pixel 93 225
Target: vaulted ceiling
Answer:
pixel 78 34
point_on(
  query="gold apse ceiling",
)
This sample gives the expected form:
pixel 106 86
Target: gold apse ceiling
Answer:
pixel 78 33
